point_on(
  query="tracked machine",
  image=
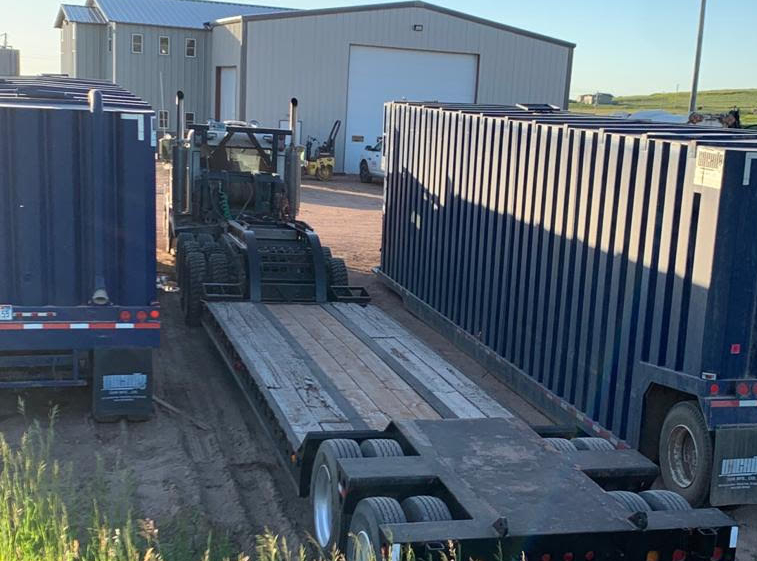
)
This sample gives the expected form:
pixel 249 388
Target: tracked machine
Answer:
pixel 231 218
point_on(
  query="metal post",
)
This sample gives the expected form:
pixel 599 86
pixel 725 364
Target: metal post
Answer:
pixel 695 80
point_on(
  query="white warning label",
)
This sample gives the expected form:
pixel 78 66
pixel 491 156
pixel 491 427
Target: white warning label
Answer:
pixel 124 382
pixel 709 170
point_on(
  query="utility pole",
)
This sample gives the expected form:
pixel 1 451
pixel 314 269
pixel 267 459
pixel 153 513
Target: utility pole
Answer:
pixel 695 80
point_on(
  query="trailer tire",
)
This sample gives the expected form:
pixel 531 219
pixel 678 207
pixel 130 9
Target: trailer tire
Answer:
pixel 425 508
pixel 660 499
pixel 381 448
pixel 338 272
pixel 561 444
pixel 631 501
pixel 686 453
pixel 218 269
pixel 324 490
pixel 364 531
pixel 592 443
pixel 204 239
pixel 192 294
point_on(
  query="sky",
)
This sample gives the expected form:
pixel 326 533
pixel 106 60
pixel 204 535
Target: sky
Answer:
pixel 622 47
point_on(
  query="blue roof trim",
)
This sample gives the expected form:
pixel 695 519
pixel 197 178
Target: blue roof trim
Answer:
pixel 176 13
pixel 79 14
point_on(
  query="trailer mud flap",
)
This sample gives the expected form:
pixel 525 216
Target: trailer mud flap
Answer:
pixel 122 384
pixel 734 469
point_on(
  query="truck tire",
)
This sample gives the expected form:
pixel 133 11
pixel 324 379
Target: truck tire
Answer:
pixel 660 499
pixel 181 260
pixel 561 444
pixel 338 272
pixel 183 238
pixel 327 256
pixel 381 448
pixel 324 490
pixel 210 248
pixel 192 293
pixel 218 269
pixel 204 239
pixel 631 501
pixel 364 541
pixel 365 173
pixel 425 508
pixel 592 443
pixel 686 453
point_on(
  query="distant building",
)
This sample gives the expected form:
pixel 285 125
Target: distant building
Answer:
pixel 9 61
pixel 242 61
pixel 596 99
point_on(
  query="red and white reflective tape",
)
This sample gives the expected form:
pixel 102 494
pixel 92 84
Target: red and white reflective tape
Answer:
pixel 34 314
pixel 734 403
pixel 83 325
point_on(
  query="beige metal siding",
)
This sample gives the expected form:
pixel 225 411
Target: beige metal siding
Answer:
pixel 144 73
pixel 226 51
pixel 67 49
pixel 308 57
pixel 9 62
pixel 91 50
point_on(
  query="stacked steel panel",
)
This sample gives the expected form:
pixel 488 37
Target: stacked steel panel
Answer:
pixel 594 255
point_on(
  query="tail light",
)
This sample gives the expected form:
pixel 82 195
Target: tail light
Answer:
pixel 546 557
pixel 742 389
pixel 568 556
pixel 141 315
pixel 125 315
pixel 589 556
pixel 653 555
pixel 714 389
pixel 679 555
pixel 154 314
pixel 717 554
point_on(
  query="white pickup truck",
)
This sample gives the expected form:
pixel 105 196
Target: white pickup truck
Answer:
pixel 372 162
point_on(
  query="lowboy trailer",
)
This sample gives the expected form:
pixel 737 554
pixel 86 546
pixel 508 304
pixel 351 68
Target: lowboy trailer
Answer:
pixel 394 446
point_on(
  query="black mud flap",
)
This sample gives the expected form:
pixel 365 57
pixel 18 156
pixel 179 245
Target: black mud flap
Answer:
pixel 122 385
pixel 734 468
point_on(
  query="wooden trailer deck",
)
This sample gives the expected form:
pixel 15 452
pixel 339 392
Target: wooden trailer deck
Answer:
pixel 335 367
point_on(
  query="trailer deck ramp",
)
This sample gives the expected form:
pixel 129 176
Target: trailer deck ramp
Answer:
pixel 339 367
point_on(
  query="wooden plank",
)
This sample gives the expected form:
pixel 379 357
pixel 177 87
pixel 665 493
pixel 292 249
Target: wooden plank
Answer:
pixel 373 417
pixel 417 404
pixel 466 387
pixel 336 426
pixel 298 414
pixel 310 318
pixel 353 313
pixel 431 379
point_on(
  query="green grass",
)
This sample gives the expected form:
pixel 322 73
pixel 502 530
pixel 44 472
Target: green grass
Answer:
pixel 712 101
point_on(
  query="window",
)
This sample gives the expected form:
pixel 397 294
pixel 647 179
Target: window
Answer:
pixel 110 40
pixel 190 48
pixel 163 119
pixel 136 43
pixel 164 46
pixel 189 118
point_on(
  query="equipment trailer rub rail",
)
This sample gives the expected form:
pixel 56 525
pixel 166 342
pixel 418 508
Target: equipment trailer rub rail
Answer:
pixel 393 445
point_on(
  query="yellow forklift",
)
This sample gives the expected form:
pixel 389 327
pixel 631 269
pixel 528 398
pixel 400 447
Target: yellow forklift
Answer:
pixel 319 160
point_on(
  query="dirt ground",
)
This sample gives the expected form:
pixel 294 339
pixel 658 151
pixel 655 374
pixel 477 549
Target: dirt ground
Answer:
pixel 189 479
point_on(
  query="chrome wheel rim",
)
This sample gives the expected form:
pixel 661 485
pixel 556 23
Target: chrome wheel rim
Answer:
pixel 322 511
pixel 364 548
pixel 683 456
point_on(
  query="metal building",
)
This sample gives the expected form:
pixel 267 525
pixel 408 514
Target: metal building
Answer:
pixel 344 63
pixel 9 61
pixel 341 63
pixel 150 47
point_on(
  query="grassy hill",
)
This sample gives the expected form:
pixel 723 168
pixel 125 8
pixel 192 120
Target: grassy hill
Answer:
pixel 712 101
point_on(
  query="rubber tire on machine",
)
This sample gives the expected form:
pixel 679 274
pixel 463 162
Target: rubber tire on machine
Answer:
pixel 324 173
pixel 592 443
pixel 327 256
pixel 561 444
pixel 338 272
pixel 218 268
pixel 195 276
pixel 183 239
pixel 686 416
pixel 365 173
pixel 425 508
pixel 381 448
pixel 181 261
pixel 211 248
pixel 326 463
pixel 369 514
pixel 660 499
pixel 204 239
pixel 631 501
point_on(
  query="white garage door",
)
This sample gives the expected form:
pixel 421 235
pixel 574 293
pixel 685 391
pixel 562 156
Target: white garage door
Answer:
pixel 378 75
pixel 228 93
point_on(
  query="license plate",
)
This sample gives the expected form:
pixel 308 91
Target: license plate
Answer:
pixel 6 312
